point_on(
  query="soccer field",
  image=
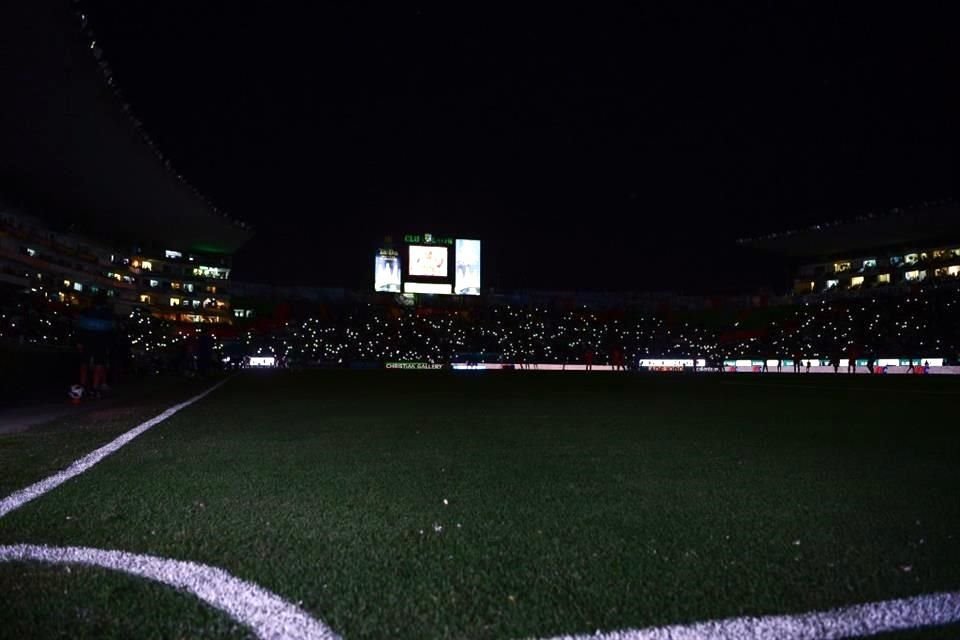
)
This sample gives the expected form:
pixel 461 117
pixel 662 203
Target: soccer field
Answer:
pixel 420 504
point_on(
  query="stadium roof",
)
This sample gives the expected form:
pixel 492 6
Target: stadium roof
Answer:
pixel 72 150
pixel 930 225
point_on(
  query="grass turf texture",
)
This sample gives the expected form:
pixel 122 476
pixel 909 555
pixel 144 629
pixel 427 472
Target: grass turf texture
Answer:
pixel 42 450
pixel 44 601
pixel 575 502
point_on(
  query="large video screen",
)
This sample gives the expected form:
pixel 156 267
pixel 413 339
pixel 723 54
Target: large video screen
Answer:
pixel 428 261
pixel 386 274
pixel 467 278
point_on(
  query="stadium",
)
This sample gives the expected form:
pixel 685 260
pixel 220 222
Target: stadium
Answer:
pixel 186 453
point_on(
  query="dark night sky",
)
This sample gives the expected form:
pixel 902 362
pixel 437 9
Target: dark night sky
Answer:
pixel 588 149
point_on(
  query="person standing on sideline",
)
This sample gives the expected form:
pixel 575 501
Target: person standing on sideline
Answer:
pixel 616 359
pixel 96 328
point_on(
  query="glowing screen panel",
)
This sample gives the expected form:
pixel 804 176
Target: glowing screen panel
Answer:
pixel 386 275
pixel 467 277
pixel 428 261
pixel 426 287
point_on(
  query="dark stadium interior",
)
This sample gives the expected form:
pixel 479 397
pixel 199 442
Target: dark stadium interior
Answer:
pixel 474 321
pixel 593 149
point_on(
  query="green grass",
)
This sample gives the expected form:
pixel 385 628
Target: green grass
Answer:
pixel 34 454
pixel 575 502
pixel 43 601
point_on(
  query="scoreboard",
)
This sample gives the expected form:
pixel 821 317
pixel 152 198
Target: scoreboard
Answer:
pixel 425 263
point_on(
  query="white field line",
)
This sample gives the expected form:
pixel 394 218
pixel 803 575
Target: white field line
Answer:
pixel 19 498
pixel 848 622
pixel 271 617
pixel 268 615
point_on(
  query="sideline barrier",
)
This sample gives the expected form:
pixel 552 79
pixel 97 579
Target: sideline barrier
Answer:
pixel 861 370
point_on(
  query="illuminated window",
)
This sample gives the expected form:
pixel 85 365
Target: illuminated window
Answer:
pixel 174 285
pixel 939 253
pixel 174 302
pixel 883 277
pixel 31 252
pixel 832 283
pixel 856 281
pixel 77 286
pixel 66 283
pixel 154 283
pixel 911 258
pixel 169 253
pixel 135 264
pixel 148 266
pixel 145 299
pixel 211 289
pixel 947 271
pixel 210 272
pixel 914 275
pixel 869 264
pixel 839 267
pixel 195 303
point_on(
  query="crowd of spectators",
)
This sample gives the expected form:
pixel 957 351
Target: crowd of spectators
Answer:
pixel 920 323
pixel 24 323
pixel 503 333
